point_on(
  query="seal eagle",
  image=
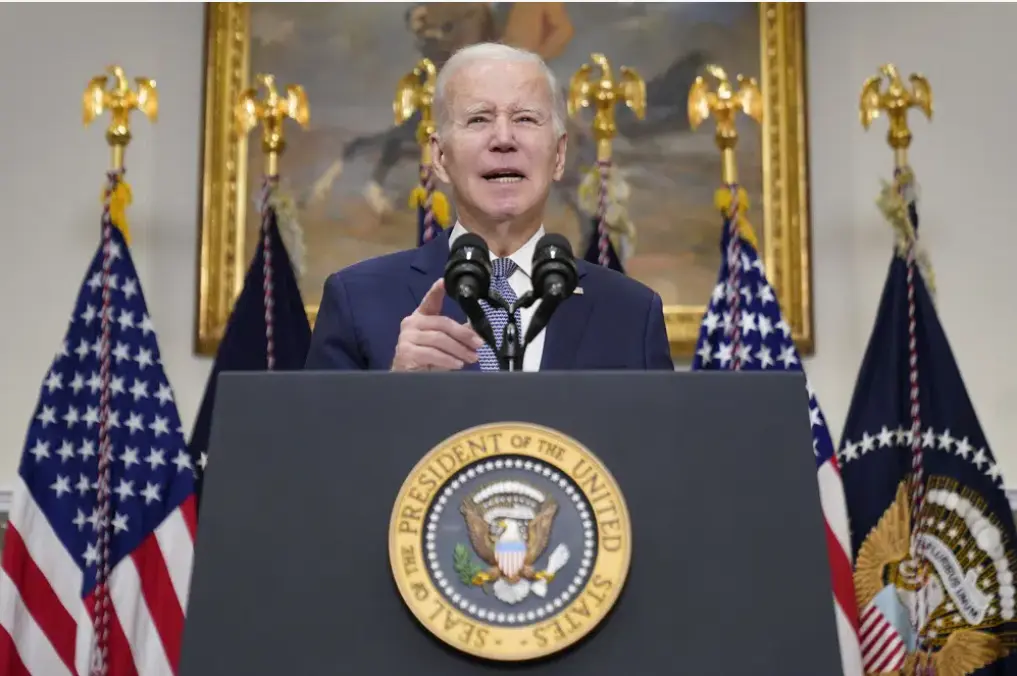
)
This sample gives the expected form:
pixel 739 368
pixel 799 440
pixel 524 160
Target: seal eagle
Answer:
pixel 503 545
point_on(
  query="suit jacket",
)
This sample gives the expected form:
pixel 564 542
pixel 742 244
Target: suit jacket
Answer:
pixel 616 323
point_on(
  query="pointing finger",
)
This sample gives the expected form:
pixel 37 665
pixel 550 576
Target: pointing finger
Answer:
pixel 431 304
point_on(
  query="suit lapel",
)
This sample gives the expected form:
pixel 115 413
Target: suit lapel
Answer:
pixel 427 267
pixel 565 330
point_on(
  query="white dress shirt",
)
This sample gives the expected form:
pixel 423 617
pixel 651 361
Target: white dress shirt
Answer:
pixel 521 282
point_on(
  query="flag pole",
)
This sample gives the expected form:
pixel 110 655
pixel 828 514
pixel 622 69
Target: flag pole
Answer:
pixel 897 202
pixel 732 201
pixel 603 94
pixel 270 112
pixel 415 94
pixel 120 101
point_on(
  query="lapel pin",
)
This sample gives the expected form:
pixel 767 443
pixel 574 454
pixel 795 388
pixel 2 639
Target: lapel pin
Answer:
pixel 578 291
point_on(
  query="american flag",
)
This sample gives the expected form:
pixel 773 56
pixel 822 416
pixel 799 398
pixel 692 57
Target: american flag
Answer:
pixel 743 329
pixel 911 425
pixel 61 532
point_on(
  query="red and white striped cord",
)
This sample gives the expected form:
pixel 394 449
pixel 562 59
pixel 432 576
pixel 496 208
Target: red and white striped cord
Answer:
pixel 734 266
pixel 101 608
pixel 604 169
pixel 917 487
pixel 917 476
pixel 917 465
pixel 427 176
pixel 266 268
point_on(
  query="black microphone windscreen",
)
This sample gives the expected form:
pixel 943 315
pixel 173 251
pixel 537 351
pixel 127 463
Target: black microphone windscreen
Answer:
pixel 468 270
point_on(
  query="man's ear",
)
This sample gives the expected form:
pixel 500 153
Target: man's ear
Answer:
pixel 438 159
pixel 559 160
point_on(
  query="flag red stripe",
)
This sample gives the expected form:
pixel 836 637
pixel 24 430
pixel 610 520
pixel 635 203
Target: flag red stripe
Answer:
pixel 890 651
pixel 893 657
pixel 842 577
pixel 10 660
pixel 38 596
pixel 160 597
pixel 876 641
pixel 189 510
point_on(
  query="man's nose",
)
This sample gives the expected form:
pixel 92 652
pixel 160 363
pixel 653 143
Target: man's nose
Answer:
pixel 502 138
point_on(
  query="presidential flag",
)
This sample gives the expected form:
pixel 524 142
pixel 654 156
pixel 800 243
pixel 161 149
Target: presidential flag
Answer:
pixel 268 328
pixel 97 555
pixel 932 531
pixel 743 329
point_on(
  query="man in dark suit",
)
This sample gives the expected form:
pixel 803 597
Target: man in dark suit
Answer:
pixel 500 142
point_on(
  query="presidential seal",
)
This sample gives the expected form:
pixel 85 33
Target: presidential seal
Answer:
pixel 954 596
pixel 510 541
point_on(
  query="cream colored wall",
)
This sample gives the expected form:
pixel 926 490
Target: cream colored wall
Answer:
pixel 50 190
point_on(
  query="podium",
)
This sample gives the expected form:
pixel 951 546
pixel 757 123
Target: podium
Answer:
pixel 565 523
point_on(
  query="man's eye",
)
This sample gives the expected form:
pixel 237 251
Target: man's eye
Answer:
pixel 474 119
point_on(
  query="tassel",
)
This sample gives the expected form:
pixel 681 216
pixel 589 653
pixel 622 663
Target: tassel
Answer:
pixel 722 201
pixel 439 204
pixel 118 203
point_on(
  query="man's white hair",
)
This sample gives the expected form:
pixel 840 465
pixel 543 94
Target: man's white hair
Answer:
pixel 494 51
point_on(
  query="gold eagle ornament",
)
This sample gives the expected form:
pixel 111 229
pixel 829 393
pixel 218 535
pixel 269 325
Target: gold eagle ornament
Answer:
pixel 726 101
pixel 271 112
pixel 415 93
pixel 602 93
pixel 884 559
pixel 895 101
pixel 724 104
pixel 119 100
pixel 488 544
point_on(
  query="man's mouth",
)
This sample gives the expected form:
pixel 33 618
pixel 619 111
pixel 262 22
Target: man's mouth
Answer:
pixel 504 176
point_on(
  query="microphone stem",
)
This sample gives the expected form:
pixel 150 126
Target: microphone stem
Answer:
pixel 510 356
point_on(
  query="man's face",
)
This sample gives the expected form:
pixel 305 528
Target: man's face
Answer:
pixel 499 151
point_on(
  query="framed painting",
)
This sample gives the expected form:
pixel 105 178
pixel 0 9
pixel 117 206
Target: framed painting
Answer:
pixel 352 170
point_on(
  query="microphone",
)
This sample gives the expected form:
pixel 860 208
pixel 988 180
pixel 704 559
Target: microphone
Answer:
pixel 468 278
pixel 554 279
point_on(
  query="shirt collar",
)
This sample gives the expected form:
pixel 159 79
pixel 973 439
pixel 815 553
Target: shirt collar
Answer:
pixel 523 257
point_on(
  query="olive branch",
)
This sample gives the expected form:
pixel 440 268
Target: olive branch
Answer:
pixel 465 565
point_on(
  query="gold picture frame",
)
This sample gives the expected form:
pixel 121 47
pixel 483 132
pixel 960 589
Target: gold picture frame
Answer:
pixel 785 228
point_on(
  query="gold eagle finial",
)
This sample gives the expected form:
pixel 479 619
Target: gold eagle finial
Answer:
pixel 271 111
pixel 415 93
pixel 603 93
pixel 896 100
pixel 724 104
pixel 119 100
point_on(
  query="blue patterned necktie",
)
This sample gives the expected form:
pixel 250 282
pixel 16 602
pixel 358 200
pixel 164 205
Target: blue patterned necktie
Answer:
pixel 501 270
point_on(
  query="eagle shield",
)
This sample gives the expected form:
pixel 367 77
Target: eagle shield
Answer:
pixel 510 554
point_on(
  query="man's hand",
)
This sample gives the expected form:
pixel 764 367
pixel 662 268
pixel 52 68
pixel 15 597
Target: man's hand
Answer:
pixel 428 341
